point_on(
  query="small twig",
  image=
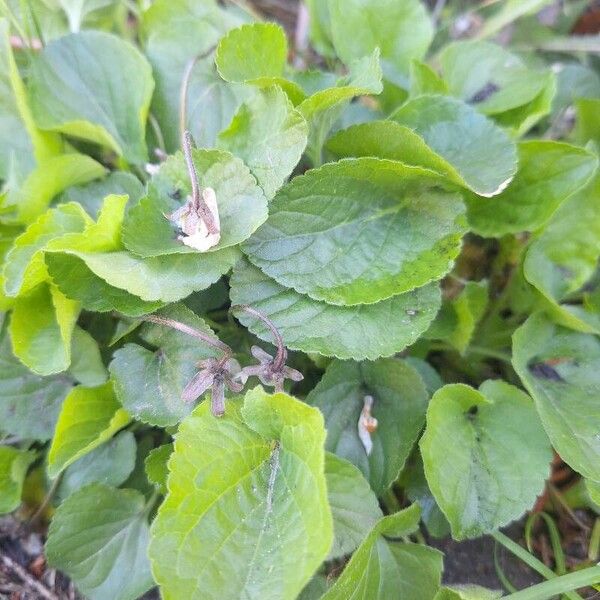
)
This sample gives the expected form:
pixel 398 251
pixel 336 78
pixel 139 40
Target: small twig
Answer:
pixel 27 578
pixel 200 206
pixel 281 355
pixel 173 324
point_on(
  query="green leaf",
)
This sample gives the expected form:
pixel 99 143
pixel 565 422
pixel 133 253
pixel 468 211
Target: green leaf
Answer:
pixel 382 569
pixel 588 123
pixel 99 537
pixel 558 269
pixel 13 468
pixel 155 280
pixel 320 27
pixel 417 490
pixel 177 32
pixel 95 86
pixel 24 267
pixel 486 455
pixel 354 506
pixel 91 196
pixel 111 463
pixel 156 466
pixel 269 135
pixel 86 365
pixel 22 144
pixel 559 368
pixel 149 383
pixel 89 417
pixel 23 394
pixel 257 471
pixel 359 231
pixel 401 30
pixel 77 10
pixel 399 405
pixel 457 320
pixel 489 77
pixel 359 332
pixel 549 173
pixel 424 80
pixel 325 107
pixel 467 592
pixel 50 178
pixel 256 53
pixel 241 203
pixel 41 329
pixel 478 153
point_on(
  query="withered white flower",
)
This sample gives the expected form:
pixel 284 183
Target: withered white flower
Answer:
pixel 194 231
pixel 367 424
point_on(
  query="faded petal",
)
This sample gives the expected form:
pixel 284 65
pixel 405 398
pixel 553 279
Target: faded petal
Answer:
pixel 199 383
pixel 217 400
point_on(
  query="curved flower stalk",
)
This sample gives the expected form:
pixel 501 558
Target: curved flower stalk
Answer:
pixel 271 371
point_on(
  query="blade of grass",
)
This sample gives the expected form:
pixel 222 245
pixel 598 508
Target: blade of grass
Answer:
pixel 559 585
pixel 559 555
pixel 531 561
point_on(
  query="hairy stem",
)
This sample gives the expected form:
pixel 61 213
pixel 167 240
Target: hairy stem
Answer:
pixel 173 324
pixel 281 355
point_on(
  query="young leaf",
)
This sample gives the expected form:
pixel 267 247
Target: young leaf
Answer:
pixel 111 463
pixel 325 106
pixel 241 204
pixel 156 466
pixel 176 33
pixel 149 384
pixel 358 332
pixel 382 568
pixel 485 454
pixel 359 231
pixel 480 153
pixel 24 267
pixel 95 86
pixel 559 368
pixel 49 179
pixel 23 394
pixel 13 468
pixel 256 53
pixel 89 417
pixel 269 135
pixel 424 80
pixel 467 592
pixel 257 471
pixel 549 173
pixel 354 506
pixel 399 405
pixel 99 537
pixel 41 329
pixel 401 30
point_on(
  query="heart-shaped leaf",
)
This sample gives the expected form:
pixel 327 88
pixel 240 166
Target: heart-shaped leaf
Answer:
pixel 13 468
pixel 399 401
pixel 258 469
pixel 485 454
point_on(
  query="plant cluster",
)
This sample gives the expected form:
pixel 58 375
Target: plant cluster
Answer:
pixel 264 327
